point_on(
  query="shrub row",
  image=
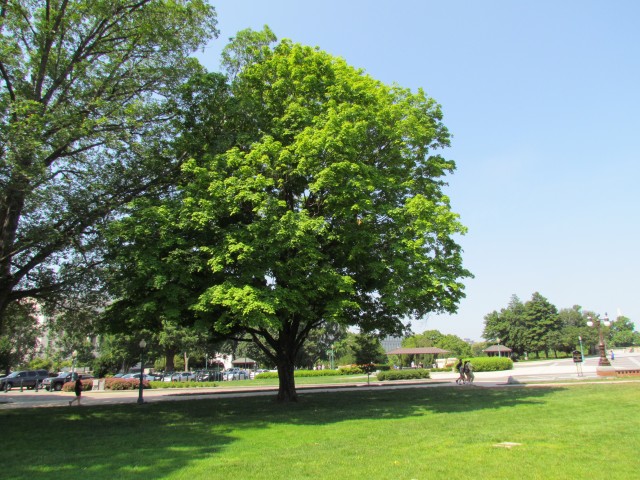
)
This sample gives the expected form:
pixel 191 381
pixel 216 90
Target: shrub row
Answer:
pixel 124 384
pixel 491 364
pixel 407 374
pixel 70 386
pixel 303 373
pixel 347 370
pixel 351 370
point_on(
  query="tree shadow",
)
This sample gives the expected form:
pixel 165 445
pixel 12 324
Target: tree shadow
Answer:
pixel 157 439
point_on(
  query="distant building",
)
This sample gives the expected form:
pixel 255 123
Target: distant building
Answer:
pixel 391 343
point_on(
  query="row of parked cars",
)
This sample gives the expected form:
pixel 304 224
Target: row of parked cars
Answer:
pixel 24 378
pixel 42 379
pixel 31 379
pixel 198 376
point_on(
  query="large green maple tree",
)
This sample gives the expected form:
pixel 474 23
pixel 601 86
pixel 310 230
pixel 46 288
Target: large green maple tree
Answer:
pixel 316 198
pixel 330 208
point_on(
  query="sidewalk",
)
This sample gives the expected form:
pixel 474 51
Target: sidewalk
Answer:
pixel 522 373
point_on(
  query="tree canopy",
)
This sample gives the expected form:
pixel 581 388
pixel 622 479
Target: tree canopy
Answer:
pixel 328 207
pixel 85 90
pixel 537 326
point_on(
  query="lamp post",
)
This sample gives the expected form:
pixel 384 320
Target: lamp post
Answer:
pixel 597 323
pixel 74 355
pixel 331 357
pixel 143 344
pixel 581 351
pixel 499 353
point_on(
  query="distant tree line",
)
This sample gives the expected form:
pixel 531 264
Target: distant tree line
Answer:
pixel 537 326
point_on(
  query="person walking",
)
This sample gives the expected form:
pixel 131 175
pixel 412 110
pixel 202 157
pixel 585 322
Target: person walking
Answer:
pixel 77 388
pixel 468 371
pixel 460 369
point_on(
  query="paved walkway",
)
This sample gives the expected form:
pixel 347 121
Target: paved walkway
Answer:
pixel 523 373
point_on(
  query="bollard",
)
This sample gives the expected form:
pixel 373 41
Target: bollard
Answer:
pixel 36 387
pixel 21 384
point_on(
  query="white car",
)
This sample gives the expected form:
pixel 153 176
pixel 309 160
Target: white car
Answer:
pixel 183 377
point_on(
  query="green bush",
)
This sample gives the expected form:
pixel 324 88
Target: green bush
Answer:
pixel 315 373
pixel 491 364
pixel 407 374
pixel 351 370
pixel 70 386
pixel 303 373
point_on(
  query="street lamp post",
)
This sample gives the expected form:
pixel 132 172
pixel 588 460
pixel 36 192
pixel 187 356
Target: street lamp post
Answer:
pixel 581 351
pixel 74 355
pixel 331 357
pixel 499 354
pixel 597 323
pixel 143 344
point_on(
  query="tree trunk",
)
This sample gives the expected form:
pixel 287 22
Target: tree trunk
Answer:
pixel 11 207
pixel 285 360
pixel 287 384
pixel 170 365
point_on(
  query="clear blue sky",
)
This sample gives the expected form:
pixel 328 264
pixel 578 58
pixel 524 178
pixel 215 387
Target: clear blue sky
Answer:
pixel 543 101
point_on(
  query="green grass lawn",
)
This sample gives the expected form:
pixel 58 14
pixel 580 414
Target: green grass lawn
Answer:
pixel 577 432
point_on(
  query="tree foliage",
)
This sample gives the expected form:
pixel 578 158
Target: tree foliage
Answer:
pixel 327 209
pixel 537 326
pixel 434 338
pixel 333 211
pixel 18 343
pixel 85 89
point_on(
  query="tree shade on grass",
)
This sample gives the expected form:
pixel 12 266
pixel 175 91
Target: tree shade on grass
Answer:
pixel 586 431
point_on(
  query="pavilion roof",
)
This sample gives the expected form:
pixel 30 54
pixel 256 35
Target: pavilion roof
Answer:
pixel 417 351
pixel 242 360
pixel 497 348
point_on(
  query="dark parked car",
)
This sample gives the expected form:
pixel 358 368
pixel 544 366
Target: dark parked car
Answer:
pixel 56 383
pixel 209 376
pixel 23 378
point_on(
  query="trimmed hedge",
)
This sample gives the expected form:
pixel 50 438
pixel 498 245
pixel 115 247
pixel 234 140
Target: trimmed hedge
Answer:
pixel 124 384
pixel 70 386
pixel 348 370
pixel 351 370
pixel 304 373
pixel 491 364
pixel 406 374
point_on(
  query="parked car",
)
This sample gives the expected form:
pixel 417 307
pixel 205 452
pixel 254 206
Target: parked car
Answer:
pixel 56 383
pixel 24 378
pixel 209 376
pixel 136 376
pixel 183 377
pixel 235 373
